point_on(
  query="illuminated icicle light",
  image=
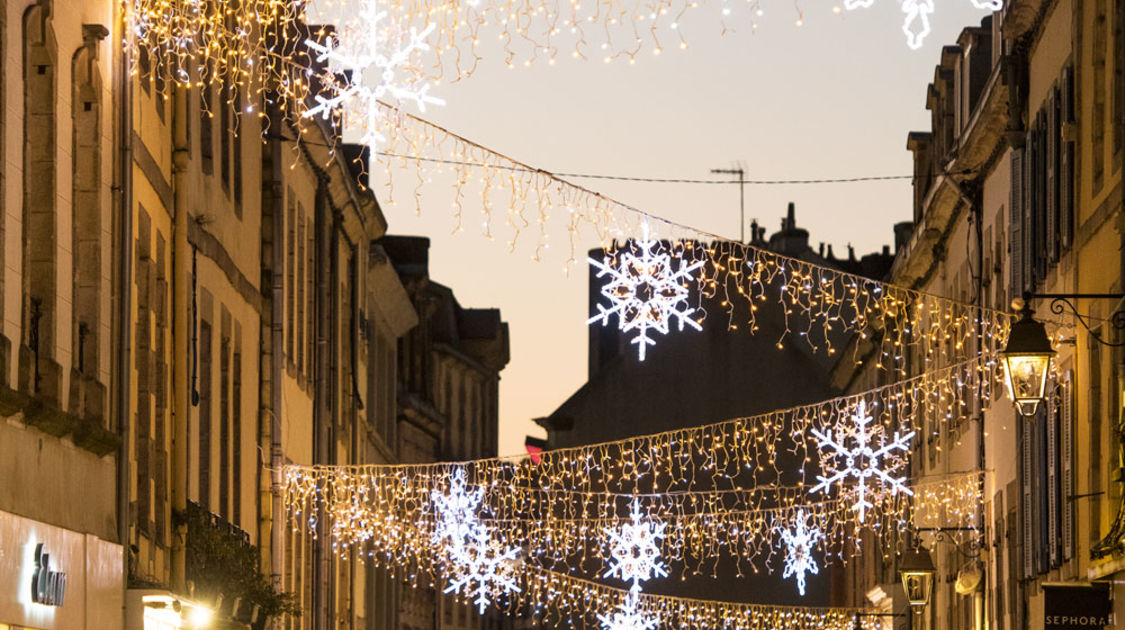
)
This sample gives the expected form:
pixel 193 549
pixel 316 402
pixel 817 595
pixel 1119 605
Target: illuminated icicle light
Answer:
pixel 634 548
pixel 480 566
pixel 799 541
pixel 871 467
pixel 644 291
pixel 364 67
pixel 916 23
pixel 628 617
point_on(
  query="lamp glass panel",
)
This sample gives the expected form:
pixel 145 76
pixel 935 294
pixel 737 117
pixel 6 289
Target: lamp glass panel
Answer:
pixel 1027 376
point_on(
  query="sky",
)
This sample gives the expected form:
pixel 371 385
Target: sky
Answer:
pixel 832 98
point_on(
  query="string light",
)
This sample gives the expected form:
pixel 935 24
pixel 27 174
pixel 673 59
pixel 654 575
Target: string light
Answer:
pixel 818 303
pixel 916 20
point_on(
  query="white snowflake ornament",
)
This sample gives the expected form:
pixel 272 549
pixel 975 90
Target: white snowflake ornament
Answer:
pixel 627 617
pixel 367 62
pixel 862 451
pixel 645 292
pixel 916 20
pixel 799 543
pixel 484 569
pixel 634 549
pixel 456 510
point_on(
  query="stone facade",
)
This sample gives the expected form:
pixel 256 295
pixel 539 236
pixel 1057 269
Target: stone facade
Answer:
pixel 1018 190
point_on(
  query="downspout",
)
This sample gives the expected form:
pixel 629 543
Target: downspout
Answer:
pixel 277 286
pixel 321 408
pixel 181 252
pixel 124 304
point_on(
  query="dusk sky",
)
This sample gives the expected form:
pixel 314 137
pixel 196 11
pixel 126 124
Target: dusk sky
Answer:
pixel 832 98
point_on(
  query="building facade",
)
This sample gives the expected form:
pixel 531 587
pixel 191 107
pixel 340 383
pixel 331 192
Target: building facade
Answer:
pixel 1018 192
pixel 193 300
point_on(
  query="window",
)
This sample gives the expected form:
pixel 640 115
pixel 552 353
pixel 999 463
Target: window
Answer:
pixel 224 424
pixel 206 128
pixel 1041 226
pixel 299 359
pixel 205 414
pixel 236 428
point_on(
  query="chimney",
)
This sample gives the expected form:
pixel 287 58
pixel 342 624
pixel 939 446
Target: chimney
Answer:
pixel 903 231
pixel 790 240
pixel 820 250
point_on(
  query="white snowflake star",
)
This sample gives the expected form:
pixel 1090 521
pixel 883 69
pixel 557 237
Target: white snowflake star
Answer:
pixel 634 550
pixel 862 460
pixel 364 66
pixel 627 617
pixel 799 542
pixel 456 510
pixel 480 565
pixel 484 568
pixel 916 23
pixel 644 292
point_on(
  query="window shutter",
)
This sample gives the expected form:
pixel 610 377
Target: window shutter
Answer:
pixel 1053 133
pixel 1042 490
pixel 1067 465
pixel 1026 213
pixel 1051 487
pixel 1026 524
pixel 1015 225
pixel 1066 162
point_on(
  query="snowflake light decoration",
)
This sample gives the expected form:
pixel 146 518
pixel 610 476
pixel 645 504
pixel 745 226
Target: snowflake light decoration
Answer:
pixel 644 292
pixel 456 510
pixel 916 23
pixel 869 458
pixel 364 67
pixel 627 617
pixel 481 566
pixel 484 568
pixel 799 543
pixel 635 555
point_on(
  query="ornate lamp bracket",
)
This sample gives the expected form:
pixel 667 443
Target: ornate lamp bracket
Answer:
pixel 1063 302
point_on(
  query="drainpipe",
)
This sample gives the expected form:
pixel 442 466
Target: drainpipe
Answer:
pixel 277 286
pixel 181 253
pixel 321 406
pixel 124 304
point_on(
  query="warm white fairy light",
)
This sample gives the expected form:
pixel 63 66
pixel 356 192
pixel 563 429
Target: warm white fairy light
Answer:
pixel 646 290
pixel 799 540
pixel 863 452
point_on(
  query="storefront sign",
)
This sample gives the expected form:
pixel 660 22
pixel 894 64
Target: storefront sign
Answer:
pixel 47 587
pixel 1076 607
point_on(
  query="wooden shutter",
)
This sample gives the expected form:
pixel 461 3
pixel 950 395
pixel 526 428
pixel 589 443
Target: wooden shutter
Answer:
pixel 1066 162
pixel 1051 487
pixel 1053 133
pixel 1015 225
pixel 1067 465
pixel 1026 524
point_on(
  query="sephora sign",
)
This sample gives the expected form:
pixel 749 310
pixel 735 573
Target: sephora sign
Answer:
pixel 47 587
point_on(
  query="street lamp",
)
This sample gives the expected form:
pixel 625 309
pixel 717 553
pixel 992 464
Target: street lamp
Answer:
pixel 1027 359
pixel 917 571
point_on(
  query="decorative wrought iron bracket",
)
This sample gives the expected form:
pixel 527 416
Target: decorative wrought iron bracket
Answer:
pixel 1061 302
